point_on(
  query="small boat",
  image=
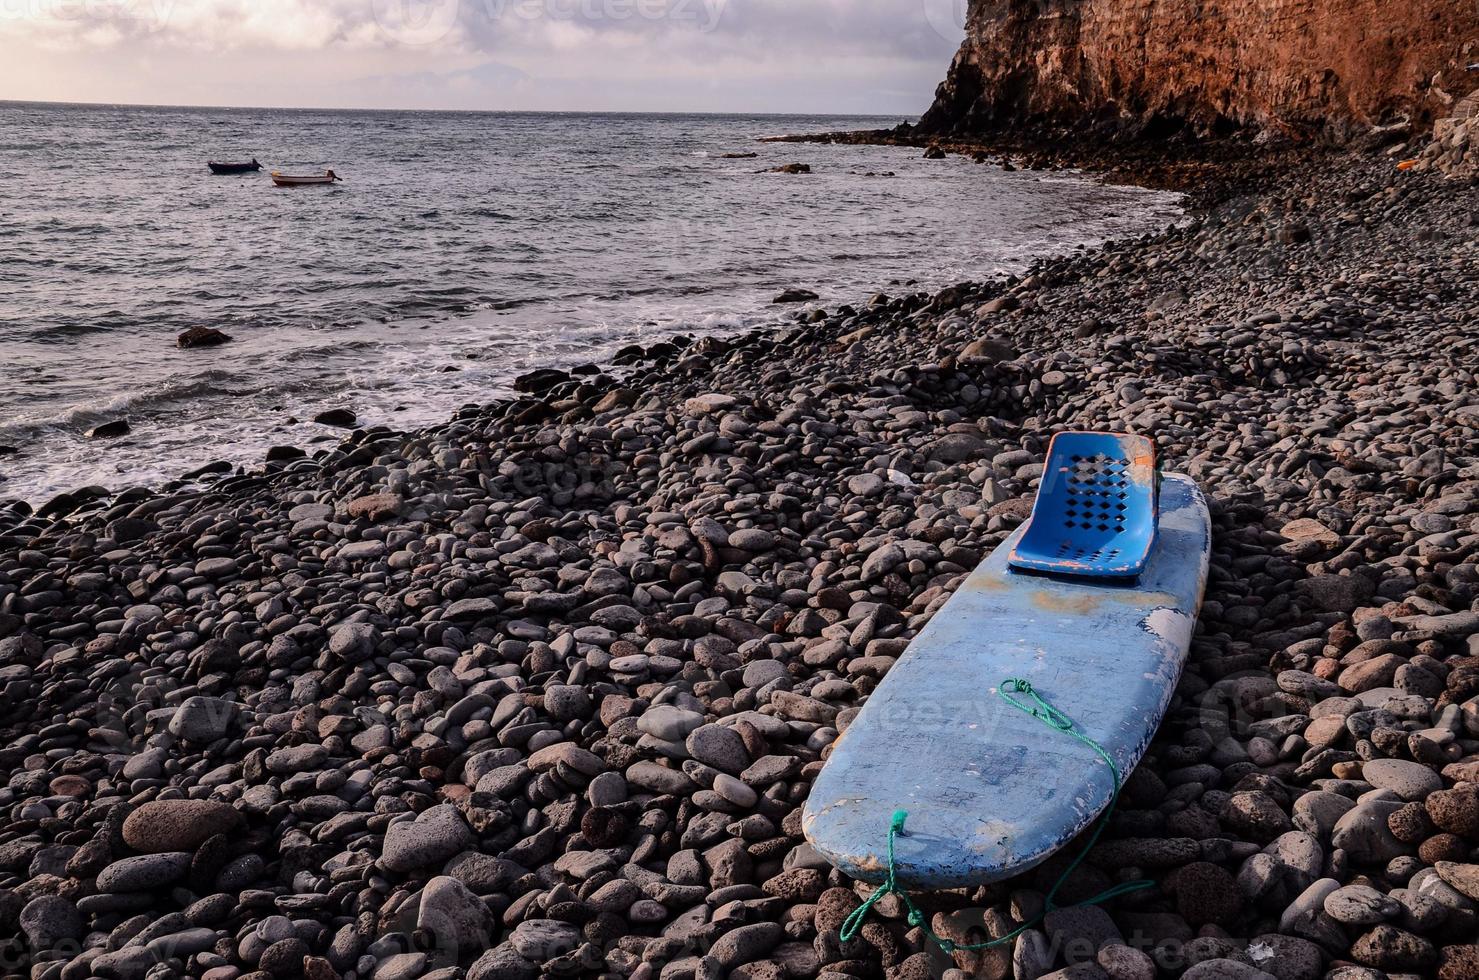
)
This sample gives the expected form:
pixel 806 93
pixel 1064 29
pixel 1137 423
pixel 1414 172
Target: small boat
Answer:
pixel 234 168
pixel 304 180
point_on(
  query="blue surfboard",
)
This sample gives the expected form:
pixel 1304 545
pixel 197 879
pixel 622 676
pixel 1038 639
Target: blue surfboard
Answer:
pixel 991 791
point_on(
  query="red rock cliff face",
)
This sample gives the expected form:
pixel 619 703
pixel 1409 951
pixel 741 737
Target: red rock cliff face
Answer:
pixel 1293 67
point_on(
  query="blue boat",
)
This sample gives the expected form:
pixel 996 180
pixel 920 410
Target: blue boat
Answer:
pixel 991 791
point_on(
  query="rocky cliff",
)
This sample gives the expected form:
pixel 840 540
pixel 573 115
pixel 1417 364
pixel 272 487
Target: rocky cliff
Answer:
pixel 1289 67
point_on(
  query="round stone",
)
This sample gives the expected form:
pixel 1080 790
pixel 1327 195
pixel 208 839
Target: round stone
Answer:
pixel 1409 780
pixel 177 825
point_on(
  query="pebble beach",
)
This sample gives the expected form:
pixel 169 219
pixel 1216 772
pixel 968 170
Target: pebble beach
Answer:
pixel 540 692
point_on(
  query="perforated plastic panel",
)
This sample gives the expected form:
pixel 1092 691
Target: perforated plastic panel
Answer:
pixel 1095 513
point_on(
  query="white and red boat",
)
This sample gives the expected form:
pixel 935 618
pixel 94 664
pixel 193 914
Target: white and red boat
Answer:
pixel 304 180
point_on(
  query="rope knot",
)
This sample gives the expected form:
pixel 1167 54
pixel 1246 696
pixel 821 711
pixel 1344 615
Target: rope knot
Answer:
pixel 1055 718
pixel 916 918
pixel 947 945
pixel 1041 710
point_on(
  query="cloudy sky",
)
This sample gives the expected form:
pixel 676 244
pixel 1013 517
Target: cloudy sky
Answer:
pixel 862 56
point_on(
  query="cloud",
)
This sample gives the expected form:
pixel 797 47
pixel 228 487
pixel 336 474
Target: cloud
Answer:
pixel 210 25
pixel 901 45
pixel 910 28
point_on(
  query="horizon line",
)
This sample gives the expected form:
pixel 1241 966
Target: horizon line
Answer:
pixel 909 117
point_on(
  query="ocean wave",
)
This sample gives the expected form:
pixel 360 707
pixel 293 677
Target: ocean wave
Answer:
pixel 166 401
pixel 69 330
pixel 448 290
pixel 324 352
pixel 56 225
pixel 141 401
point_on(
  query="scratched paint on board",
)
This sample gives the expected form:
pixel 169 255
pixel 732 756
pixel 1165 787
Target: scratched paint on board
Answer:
pixel 991 792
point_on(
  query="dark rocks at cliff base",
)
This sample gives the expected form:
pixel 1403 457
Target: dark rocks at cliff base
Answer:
pixel 540 691
pixel 202 337
pixel 1293 233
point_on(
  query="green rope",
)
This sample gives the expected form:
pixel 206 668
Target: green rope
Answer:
pixel 1058 721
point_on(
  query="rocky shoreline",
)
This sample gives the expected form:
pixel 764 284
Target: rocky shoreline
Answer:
pixel 1208 171
pixel 541 691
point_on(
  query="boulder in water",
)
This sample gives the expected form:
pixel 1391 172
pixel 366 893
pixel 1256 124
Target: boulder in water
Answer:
pixel 202 337
pixel 341 417
pixel 110 429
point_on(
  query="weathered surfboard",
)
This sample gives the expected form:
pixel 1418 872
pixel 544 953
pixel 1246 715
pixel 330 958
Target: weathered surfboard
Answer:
pixel 991 791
